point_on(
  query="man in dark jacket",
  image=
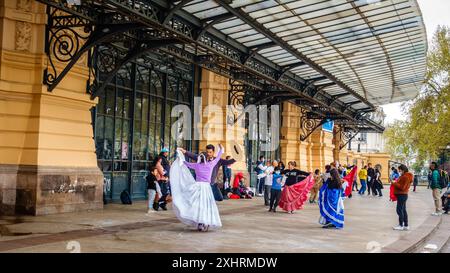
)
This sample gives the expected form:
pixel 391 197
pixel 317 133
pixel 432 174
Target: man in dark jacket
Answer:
pixel 370 178
pixel 209 154
pixel 165 162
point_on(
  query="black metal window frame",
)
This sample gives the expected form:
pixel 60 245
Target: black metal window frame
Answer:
pixel 129 167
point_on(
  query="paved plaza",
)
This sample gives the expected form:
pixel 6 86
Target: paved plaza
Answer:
pixel 247 227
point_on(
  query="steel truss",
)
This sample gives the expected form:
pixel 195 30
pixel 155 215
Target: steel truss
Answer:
pixel 134 27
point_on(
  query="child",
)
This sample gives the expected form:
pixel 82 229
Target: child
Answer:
pixel 275 192
pixel 316 187
pixel 152 188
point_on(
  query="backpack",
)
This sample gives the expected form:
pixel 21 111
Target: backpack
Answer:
pixel 443 181
pixel 256 169
pixel 125 198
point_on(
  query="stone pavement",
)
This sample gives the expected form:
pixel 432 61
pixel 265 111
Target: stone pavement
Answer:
pixel 247 227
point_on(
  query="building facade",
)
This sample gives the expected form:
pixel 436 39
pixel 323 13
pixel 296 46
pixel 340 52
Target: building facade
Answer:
pixel 87 92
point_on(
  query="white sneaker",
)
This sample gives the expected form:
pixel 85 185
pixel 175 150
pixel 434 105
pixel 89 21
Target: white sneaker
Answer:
pixel 406 228
pixel 150 211
pixel 398 228
pixel 436 214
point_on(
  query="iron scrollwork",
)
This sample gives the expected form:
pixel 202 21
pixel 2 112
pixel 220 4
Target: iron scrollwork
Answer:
pixel 309 124
pixel 347 134
pixel 66 35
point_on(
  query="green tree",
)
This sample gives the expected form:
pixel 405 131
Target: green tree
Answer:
pixel 429 113
pixel 427 129
pixel 399 144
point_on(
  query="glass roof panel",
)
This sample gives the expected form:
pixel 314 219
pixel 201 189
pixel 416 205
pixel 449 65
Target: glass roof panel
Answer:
pixel 378 48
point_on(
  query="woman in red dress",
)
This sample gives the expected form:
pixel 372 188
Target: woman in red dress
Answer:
pixel 296 188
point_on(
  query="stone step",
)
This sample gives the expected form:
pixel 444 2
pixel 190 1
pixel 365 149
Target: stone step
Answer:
pixel 413 240
pixel 439 239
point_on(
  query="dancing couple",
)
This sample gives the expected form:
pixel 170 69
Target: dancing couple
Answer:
pixel 193 199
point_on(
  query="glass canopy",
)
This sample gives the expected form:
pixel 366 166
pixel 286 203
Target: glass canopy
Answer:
pixel 375 48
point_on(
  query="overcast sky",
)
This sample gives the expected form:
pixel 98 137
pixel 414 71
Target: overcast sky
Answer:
pixel 435 12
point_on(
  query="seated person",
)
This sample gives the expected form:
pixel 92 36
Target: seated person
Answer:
pixel 239 187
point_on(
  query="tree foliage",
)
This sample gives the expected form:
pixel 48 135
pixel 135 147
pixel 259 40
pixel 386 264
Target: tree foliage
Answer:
pixel 399 144
pixel 427 128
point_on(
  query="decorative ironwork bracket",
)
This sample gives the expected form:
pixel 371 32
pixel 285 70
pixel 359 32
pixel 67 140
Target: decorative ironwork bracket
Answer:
pixel 309 125
pixel 70 37
pixel 347 134
pixel 120 59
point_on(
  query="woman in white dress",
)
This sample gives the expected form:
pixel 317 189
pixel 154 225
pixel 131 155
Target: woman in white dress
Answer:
pixel 193 200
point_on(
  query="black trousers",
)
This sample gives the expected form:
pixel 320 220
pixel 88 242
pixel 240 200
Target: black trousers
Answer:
pixel 369 186
pixel 275 196
pixel 401 209
pixel 164 191
pixel 376 188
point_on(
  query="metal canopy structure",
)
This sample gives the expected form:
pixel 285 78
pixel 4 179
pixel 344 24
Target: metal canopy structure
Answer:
pixel 338 59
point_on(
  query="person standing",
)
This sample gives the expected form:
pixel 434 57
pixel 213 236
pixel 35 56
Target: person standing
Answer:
pixel 227 173
pixel 275 190
pixel 362 179
pixel 416 182
pixel 282 166
pixel 165 161
pixel 268 181
pixel 209 154
pixel 163 181
pixel 152 189
pixel 394 175
pixel 401 190
pixel 370 178
pixel 260 168
pixel 377 183
pixel 435 188
pixel 317 185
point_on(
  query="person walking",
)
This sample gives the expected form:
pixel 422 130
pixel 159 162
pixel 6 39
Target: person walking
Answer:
pixel 401 190
pixel 435 188
pixel 362 175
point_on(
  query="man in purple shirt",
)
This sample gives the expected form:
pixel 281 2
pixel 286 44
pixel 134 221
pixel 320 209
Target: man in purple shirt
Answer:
pixel 209 154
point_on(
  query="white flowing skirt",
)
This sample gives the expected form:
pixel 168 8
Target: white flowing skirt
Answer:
pixel 193 202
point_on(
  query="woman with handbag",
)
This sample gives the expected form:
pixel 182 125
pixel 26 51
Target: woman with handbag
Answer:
pixel 401 190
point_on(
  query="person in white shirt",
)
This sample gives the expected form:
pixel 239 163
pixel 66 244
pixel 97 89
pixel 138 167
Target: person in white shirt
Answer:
pixel 268 181
pixel 261 168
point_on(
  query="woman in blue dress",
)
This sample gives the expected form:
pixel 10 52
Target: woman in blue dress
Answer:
pixel 331 201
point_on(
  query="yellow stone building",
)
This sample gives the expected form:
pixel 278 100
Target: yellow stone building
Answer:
pixel 64 147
